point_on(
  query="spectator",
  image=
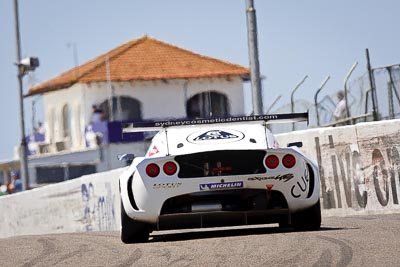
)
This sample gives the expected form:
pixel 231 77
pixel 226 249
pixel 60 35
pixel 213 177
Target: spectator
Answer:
pixel 340 110
pixel 9 186
pixel 40 129
pixel 38 137
pixel 3 189
pixel 16 183
pixel 97 114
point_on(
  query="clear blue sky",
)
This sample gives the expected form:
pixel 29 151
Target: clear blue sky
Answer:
pixel 317 38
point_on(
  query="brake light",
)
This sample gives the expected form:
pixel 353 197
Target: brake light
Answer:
pixel 152 170
pixel 289 161
pixel 272 161
pixel 170 168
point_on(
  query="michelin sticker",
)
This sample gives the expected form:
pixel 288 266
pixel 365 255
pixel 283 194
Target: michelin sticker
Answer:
pixel 215 136
pixel 218 186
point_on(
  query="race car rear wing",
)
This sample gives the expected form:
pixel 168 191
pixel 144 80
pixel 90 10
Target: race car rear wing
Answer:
pixel 158 125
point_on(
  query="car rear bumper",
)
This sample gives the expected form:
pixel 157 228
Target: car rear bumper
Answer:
pixel 221 218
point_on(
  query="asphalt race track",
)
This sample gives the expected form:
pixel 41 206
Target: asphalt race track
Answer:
pixel 343 241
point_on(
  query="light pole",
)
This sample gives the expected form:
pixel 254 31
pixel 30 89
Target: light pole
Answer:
pixel 24 66
pixel 253 57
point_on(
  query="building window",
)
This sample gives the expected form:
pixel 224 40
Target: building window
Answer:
pixel 55 174
pixel 77 123
pixel 206 105
pixel 51 126
pixel 123 109
pixel 66 121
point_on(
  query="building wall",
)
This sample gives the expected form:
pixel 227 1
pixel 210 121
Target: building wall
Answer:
pixel 53 105
pixel 159 100
pixel 164 99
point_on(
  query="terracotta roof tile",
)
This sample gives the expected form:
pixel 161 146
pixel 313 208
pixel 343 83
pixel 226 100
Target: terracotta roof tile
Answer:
pixel 142 59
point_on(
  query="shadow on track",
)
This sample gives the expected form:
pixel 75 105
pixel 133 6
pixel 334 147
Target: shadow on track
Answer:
pixel 221 232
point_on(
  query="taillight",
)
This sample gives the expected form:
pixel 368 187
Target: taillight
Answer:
pixel 152 170
pixel 170 168
pixel 272 161
pixel 289 161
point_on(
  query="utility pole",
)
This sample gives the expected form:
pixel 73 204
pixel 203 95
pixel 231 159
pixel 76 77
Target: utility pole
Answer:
pixel 23 147
pixel 24 66
pixel 253 58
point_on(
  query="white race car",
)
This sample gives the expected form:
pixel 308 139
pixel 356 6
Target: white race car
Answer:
pixel 217 172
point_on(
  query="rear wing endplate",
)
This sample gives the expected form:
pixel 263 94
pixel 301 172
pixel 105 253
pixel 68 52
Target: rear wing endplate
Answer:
pixel 158 125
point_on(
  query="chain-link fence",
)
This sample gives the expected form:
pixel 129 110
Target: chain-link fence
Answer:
pixel 386 81
pixel 299 106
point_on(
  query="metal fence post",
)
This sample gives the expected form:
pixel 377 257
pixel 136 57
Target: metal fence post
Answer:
pixel 375 110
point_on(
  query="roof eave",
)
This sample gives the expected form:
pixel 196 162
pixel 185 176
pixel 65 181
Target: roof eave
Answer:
pixel 38 90
pixel 46 89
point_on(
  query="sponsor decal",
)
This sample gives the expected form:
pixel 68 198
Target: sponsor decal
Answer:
pixel 281 177
pixel 218 186
pixel 127 127
pixel 291 116
pixel 216 136
pixel 224 120
pixel 301 186
pixel 166 185
pixel 153 151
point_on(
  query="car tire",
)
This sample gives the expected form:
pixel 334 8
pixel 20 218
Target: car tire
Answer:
pixel 284 225
pixel 133 231
pixel 308 219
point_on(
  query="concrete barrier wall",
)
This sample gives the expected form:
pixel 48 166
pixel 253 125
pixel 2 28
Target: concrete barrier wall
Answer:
pixel 359 165
pixel 90 203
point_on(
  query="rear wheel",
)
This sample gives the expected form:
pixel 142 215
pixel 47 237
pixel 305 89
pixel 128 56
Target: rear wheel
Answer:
pixel 133 231
pixel 308 219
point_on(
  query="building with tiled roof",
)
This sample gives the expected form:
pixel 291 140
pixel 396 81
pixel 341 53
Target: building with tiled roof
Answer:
pixel 143 79
pixel 143 59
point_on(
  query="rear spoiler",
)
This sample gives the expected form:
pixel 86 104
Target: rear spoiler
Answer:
pixel 158 125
